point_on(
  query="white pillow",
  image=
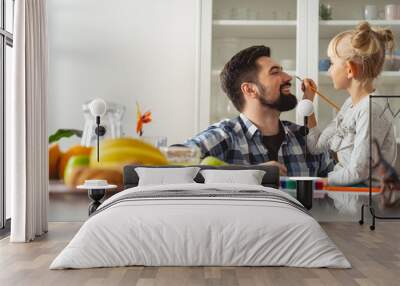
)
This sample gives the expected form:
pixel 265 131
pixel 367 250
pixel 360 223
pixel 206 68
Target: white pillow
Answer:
pixel 248 177
pixel 164 176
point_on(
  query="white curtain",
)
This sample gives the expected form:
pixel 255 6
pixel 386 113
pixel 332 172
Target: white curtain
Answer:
pixel 27 142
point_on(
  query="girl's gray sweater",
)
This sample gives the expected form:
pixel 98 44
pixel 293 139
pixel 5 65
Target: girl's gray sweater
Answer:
pixel 348 135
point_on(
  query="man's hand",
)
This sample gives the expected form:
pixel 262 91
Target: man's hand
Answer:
pixel 309 87
pixel 282 168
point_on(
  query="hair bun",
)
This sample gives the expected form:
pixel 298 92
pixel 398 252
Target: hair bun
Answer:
pixel 367 41
pixel 362 38
pixel 364 26
pixel 386 37
pixel 366 46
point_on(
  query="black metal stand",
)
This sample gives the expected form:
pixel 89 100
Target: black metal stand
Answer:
pixel 99 131
pixel 304 188
pixel 304 192
pixel 370 206
pixel 95 195
pixel 374 216
pixel 305 137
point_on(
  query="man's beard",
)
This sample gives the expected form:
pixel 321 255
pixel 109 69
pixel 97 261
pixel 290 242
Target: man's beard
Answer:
pixel 285 102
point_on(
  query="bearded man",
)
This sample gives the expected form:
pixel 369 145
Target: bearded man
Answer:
pixel 260 90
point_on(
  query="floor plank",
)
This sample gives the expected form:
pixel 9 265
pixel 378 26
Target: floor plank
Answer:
pixel 375 257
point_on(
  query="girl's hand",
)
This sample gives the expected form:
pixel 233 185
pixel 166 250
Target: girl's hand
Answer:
pixel 309 87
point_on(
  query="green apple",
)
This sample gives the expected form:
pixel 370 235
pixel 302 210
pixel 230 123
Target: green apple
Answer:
pixel 212 161
pixel 74 162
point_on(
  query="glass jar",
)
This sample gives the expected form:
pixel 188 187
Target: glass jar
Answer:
pixel 111 120
pixel 177 155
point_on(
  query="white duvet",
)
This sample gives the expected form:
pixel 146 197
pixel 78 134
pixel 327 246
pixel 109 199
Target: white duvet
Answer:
pixel 200 231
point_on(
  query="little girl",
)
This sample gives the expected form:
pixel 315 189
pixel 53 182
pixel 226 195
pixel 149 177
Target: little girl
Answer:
pixel 357 57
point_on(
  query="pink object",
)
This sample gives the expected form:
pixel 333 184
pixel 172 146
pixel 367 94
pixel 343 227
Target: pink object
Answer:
pixel 398 12
pixel 391 12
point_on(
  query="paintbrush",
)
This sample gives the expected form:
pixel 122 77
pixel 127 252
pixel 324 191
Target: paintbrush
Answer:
pixel 330 102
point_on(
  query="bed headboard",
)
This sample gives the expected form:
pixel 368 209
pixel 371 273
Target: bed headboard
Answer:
pixel 270 179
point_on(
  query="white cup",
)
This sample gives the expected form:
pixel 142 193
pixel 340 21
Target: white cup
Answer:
pixel 370 12
pixel 391 12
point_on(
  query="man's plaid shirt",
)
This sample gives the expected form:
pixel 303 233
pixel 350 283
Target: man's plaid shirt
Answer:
pixel 238 141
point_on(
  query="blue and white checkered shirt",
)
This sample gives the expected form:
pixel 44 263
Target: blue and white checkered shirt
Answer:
pixel 238 141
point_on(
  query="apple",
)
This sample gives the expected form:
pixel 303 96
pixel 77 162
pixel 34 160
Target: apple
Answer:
pixel 212 161
pixel 74 162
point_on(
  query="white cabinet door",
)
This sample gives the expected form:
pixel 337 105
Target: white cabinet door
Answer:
pixel 229 26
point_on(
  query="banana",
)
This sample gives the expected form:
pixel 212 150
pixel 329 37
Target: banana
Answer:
pixel 124 153
pixel 115 153
pixel 128 142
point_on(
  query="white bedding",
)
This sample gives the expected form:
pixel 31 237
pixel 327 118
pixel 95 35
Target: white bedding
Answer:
pixel 183 231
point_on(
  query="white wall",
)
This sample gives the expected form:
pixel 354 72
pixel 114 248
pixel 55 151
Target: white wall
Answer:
pixel 124 51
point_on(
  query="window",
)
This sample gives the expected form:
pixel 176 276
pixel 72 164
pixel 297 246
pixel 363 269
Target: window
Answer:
pixel 6 44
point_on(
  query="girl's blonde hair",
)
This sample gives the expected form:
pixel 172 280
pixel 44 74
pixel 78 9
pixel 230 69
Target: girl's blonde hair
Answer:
pixel 366 47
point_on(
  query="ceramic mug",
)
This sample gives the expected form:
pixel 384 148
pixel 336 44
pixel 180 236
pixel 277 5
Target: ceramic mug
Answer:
pixel 391 12
pixel 324 64
pixel 370 12
pixel 398 12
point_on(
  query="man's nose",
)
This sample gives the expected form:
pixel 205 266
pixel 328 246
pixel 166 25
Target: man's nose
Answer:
pixel 286 77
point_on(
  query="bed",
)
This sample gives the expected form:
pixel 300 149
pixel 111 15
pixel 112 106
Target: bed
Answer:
pixel 198 224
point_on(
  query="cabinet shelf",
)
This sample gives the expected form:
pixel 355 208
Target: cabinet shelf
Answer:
pixel 216 72
pixel 386 77
pixel 273 29
pixel 330 28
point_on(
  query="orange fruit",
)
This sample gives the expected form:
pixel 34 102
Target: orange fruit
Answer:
pixel 54 160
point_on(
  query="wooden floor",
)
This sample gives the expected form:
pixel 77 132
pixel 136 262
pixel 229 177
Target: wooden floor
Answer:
pixel 375 257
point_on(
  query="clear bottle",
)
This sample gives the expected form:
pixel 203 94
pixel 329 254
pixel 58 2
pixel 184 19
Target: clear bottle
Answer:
pixel 111 120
